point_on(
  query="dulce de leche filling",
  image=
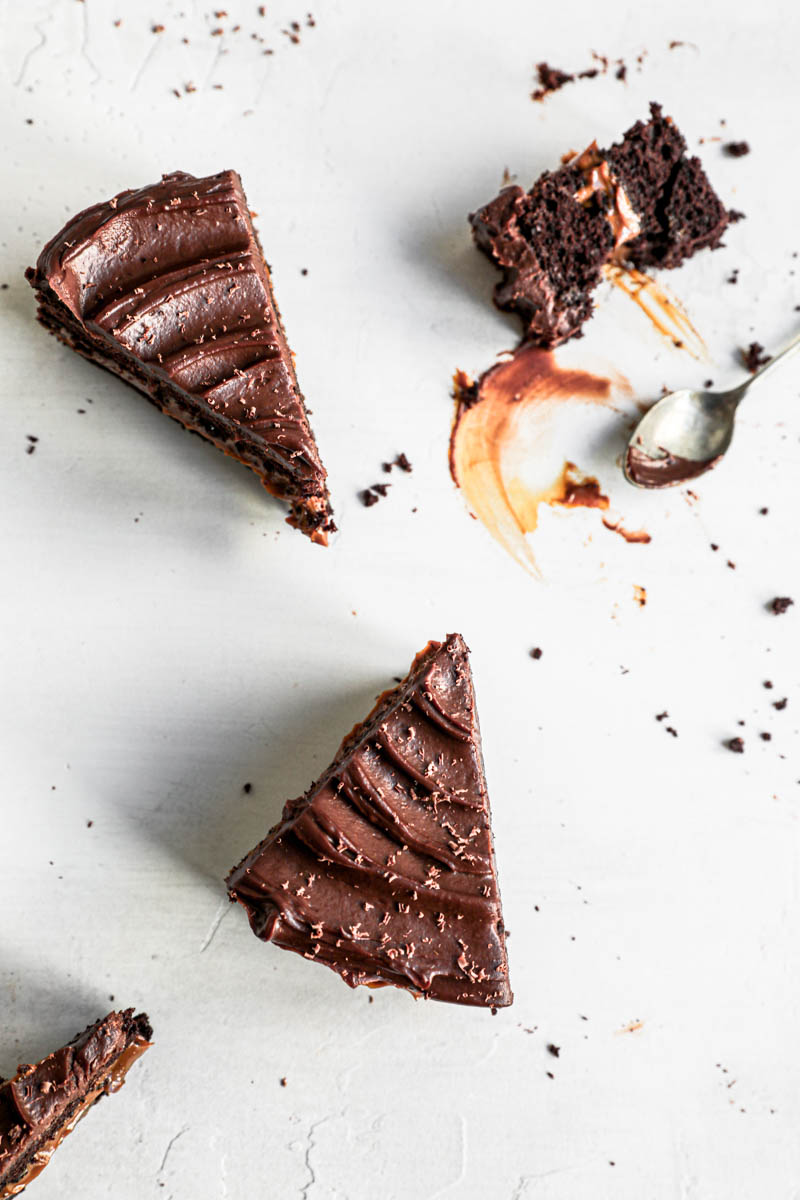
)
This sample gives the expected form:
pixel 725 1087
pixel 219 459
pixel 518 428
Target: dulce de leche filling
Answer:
pixel 600 182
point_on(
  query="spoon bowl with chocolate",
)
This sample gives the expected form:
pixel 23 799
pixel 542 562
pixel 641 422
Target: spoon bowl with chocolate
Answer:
pixel 687 433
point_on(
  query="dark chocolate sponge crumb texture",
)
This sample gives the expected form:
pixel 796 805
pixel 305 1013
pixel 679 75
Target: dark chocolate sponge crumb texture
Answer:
pixel 385 869
pixel 167 287
pixel 44 1102
pixel 641 203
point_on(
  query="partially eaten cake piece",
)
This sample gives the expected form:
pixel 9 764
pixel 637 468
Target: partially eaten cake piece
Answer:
pixel 44 1102
pixel 167 287
pixel 641 203
pixel 384 870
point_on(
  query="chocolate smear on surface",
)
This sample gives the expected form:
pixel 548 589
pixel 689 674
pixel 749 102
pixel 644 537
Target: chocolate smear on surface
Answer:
pixel 502 422
pixel 665 312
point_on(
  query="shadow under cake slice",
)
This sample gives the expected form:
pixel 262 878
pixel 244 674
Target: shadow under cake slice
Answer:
pixel 167 287
pixel 641 203
pixel 43 1103
pixel 385 869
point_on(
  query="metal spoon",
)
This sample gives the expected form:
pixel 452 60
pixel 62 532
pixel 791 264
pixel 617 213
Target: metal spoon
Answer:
pixel 687 432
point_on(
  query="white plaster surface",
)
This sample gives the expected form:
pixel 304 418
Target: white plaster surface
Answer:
pixel 165 638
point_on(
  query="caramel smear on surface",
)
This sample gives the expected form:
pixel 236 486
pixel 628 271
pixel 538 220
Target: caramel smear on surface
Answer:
pixel 663 309
pixel 501 434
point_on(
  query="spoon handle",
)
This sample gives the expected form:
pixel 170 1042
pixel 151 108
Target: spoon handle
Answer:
pixel 792 348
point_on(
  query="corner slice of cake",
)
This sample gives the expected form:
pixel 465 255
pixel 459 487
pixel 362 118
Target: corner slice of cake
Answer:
pixel 385 870
pixel 43 1103
pixel 167 287
pixel 641 203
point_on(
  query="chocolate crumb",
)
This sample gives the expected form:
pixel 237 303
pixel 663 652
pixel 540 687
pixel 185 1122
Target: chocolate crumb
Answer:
pixel 763 511
pixel 781 604
pixel 247 788
pixel 554 1050
pixel 674 732
pixel 735 215
pixel 304 270
pixel 549 1074
pixel 550 79
pixel 89 824
pixel 732 565
pixel 734 276
pixel 735 744
pixel 283 1081
pixel 621 72
pixel 662 715
pixel 714 546
pixel 157 29
pixel 780 704
pixel 768 683
pixel 765 737
pixel 708 383
pixel 368 498
pixel 736 149
pixel 755 356
pixel 536 652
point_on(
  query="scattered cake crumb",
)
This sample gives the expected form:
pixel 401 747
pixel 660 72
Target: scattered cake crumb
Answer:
pixel 536 652
pixel 780 704
pixel 553 1049
pixel 247 788
pixel 781 604
pixel 736 744
pixel 736 149
pixel 755 356
pixel 765 737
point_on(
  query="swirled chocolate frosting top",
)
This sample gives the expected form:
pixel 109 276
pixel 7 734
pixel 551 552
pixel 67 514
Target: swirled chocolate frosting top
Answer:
pixel 167 287
pixel 44 1101
pixel 385 869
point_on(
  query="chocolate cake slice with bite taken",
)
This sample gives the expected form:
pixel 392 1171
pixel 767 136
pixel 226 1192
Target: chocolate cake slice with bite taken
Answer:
pixel 167 287
pixel 43 1103
pixel 384 870
pixel 641 203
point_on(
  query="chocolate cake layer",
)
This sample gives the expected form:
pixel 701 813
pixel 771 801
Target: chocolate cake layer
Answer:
pixel 641 203
pixel 385 869
pixel 45 1101
pixel 167 287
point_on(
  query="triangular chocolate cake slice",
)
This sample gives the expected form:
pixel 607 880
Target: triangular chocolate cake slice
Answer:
pixel 45 1101
pixel 385 869
pixel 168 288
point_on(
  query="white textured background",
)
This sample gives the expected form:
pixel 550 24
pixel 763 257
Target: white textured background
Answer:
pixel 166 638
